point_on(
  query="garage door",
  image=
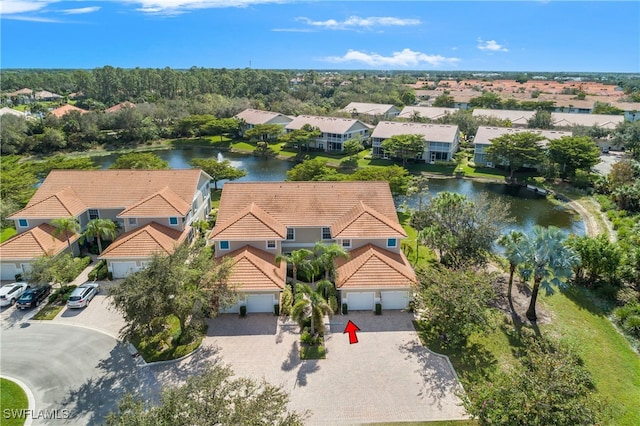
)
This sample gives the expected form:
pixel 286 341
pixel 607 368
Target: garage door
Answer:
pixel 9 271
pixel 122 269
pixel 360 301
pixel 394 299
pixel 260 303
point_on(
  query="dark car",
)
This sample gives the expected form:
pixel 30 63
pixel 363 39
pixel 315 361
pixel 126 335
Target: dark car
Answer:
pixel 33 297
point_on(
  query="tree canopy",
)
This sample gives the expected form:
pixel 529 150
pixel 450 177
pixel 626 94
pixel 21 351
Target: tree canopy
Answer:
pixel 218 170
pixel 515 150
pixel 574 153
pixel 211 397
pixel 404 147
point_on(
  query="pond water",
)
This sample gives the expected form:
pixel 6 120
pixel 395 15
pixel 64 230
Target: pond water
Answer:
pixel 526 207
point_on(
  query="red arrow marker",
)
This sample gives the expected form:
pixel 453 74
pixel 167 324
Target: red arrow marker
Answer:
pixel 351 328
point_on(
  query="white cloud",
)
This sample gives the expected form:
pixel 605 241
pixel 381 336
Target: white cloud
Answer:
pixel 354 22
pixel 29 18
pixel 81 10
pixel 491 46
pixel 9 7
pixel 404 58
pixel 175 7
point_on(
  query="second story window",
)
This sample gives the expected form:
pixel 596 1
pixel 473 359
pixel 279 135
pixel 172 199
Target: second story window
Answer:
pixel 271 244
pixel 392 242
pixel 23 223
pixel 133 221
pixel 291 234
pixel 346 243
pixel 224 245
pixel 326 233
pixel 94 214
pixel 173 221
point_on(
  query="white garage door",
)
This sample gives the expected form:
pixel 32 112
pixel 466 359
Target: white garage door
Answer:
pixel 122 269
pixel 360 301
pixel 394 299
pixel 260 303
pixel 9 271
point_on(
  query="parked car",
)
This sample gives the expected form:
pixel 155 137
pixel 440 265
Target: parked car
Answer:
pixel 10 293
pixel 82 295
pixel 34 296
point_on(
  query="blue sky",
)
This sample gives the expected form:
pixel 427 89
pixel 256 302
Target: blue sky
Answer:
pixel 566 36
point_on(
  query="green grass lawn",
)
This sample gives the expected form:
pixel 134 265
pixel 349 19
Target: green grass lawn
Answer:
pixel 162 347
pixel 12 397
pixel 6 233
pixel 48 312
pixel 312 352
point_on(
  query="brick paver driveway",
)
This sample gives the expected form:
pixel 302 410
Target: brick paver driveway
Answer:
pixel 387 376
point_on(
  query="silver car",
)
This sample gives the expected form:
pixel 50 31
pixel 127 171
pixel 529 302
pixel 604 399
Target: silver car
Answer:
pixel 9 293
pixel 82 295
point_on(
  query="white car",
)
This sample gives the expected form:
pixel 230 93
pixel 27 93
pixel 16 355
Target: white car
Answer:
pixel 82 295
pixel 9 293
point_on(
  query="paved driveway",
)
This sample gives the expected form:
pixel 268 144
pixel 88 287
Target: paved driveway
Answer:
pixel 71 368
pixel 387 376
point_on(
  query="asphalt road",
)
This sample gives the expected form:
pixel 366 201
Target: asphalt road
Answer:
pixel 70 368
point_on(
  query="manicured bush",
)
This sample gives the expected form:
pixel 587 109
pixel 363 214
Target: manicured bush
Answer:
pixel 345 309
pixel 306 338
pixel 333 304
pixel 61 295
pixel 286 301
pixel 100 272
pixel 378 309
pixel 628 318
pixel 243 311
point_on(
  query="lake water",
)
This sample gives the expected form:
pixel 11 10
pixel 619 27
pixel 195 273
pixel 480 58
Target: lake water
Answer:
pixel 526 207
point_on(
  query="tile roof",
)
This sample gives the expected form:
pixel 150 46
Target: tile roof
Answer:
pixel 121 105
pixel 250 221
pixel 34 243
pixel 326 124
pixel 45 94
pixel 11 111
pixel 363 221
pixel 486 134
pixel 256 116
pixel 111 189
pixel 372 267
pixel 255 269
pixel 515 116
pixel 301 203
pixel 565 119
pixel 426 112
pixel 146 241
pixel 164 203
pixel 65 109
pixel 64 203
pixel 431 132
pixel 370 109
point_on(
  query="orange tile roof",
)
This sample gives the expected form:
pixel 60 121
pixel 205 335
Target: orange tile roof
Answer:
pixel 301 203
pixel 120 106
pixel 65 109
pixel 363 221
pixel 255 269
pixel 146 241
pixel 35 242
pixel 163 203
pixel 370 267
pixel 64 203
pixel 111 189
pixel 251 221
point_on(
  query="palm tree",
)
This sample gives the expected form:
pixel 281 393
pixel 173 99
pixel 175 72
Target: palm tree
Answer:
pixel 548 260
pixel 66 227
pixel 99 229
pixel 327 255
pixel 310 304
pixel 296 259
pixel 513 244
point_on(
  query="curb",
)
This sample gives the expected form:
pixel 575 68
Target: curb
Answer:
pixel 142 363
pixel 31 400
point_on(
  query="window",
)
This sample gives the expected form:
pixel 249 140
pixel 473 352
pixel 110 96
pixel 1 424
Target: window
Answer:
pixel 326 233
pixel 94 214
pixel 224 245
pixel 346 243
pixel 23 223
pixel 133 221
pixel 173 221
pixel 271 244
pixel 291 234
pixel 392 242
